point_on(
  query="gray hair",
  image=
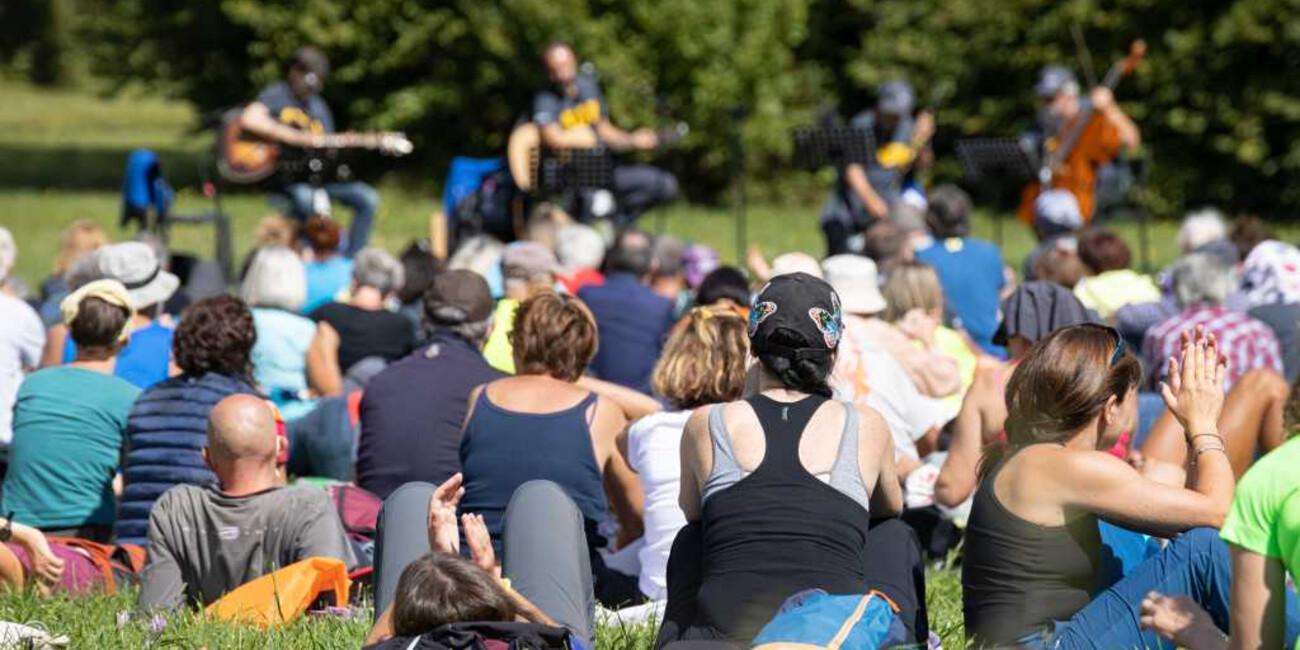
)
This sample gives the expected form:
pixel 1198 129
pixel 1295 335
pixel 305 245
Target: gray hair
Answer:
pixel 476 332
pixel 375 268
pixel 907 216
pixel 8 252
pixel 276 279
pixel 669 256
pixel 1203 279
pixel 1201 227
pixel 480 254
pixel 579 247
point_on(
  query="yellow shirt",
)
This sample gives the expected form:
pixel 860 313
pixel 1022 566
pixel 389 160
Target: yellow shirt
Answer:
pixel 951 344
pixel 498 352
pixel 1107 292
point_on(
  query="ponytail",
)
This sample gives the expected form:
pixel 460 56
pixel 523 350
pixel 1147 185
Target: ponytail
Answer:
pixel 806 375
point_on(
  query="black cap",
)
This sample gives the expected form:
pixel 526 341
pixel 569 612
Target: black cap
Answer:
pixel 457 297
pixel 1036 309
pixel 801 304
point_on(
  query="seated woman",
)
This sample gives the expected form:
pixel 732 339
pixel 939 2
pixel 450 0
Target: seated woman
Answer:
pixel 274 288
pixel 70 422
pixel 783 486
pixel 1033 548
pixel 328 270
pixel 362 328
pixel 1263 535
pixel 546 560
pixel 553 341
pixel 703 363
pixel 1031 312
pixel 168 426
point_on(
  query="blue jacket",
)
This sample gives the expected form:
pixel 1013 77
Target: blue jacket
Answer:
pixel 165 436
pixel 632 322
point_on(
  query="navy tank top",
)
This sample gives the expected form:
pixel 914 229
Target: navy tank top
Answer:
pixel 503 449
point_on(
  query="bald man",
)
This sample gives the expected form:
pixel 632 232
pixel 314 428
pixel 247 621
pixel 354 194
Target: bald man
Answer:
pixel 205 541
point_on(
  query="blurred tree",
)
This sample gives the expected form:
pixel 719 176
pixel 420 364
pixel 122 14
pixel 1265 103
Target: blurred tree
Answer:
pixel 1218 100
pixel 38 32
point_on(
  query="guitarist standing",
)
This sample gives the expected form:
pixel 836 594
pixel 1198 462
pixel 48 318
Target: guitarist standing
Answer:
pixel 293 113
pixel 864 194
pixel 1106 132
pixel 571 114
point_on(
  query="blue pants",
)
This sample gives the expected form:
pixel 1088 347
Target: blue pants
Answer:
pixel 1195 565
pixel 362 199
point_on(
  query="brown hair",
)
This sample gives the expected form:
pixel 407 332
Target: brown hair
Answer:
pixel 79 239
pixel 216 335
pixel 553 334
pixel 323 235
pixel 1103 250
pixel 912 285
pixel 1061 266
pixel 439 589
pixel 704 360
pixel 1061 385
pixel 1249 232
pixel 98 324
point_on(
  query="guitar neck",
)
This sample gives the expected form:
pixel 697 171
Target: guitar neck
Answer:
pixel 351 141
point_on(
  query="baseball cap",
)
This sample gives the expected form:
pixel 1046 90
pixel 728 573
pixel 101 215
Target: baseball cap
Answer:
pixel 457 297
pixel 896 98
pixel 1055 79
pixel 855 279
pixel 1036 309
pixel 801 304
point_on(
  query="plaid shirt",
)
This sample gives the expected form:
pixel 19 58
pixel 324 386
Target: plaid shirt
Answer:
pixel 1247 343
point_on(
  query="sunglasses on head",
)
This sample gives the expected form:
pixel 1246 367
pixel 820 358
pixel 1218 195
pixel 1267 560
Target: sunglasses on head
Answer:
pixel 1121 347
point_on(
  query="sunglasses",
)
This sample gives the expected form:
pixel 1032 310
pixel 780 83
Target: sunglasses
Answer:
pixel 1121 347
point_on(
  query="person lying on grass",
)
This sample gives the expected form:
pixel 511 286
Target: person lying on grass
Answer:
pixel 440 587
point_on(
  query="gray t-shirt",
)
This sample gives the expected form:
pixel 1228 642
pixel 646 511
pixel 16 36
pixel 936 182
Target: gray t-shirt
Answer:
pixel 311 114
pixel 552 106
pixel 843 205
pixel 203 543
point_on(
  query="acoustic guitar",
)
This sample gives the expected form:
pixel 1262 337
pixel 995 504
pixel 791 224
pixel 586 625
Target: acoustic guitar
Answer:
pixel 244 158
pixel 524 147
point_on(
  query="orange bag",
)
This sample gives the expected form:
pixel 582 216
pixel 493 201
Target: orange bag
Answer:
pixel 282 596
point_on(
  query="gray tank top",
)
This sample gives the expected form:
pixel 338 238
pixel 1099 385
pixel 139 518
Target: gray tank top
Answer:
pixel 846 472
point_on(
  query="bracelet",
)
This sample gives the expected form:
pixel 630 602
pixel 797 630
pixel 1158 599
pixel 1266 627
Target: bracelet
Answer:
pixel 1209 448
pixel 1205 435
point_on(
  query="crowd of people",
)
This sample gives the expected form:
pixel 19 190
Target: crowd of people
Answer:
pixel 566 423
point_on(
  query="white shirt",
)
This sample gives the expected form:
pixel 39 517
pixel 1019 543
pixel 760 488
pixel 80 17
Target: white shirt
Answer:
pixel 653 450
pixel 22 336
pixel 865 373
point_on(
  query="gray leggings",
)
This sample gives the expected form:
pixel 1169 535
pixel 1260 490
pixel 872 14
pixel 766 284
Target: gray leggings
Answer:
pixel 545 550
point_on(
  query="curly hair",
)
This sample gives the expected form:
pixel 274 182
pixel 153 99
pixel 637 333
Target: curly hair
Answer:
pixel 216 335
pixel 554 335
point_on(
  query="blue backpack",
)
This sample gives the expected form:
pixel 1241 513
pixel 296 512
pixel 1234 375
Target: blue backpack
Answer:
pixel 816 620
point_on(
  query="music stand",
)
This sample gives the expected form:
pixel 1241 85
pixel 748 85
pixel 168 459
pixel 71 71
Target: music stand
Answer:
pixel 815 148
pixel 570 172
pixel 995 163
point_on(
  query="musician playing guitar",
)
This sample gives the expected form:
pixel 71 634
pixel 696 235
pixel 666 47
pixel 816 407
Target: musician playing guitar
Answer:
pixel 864 194
pixel 1106 132
pixel 571 114
pixel 292 112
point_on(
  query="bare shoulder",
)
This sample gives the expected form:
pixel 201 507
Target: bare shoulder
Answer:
pixel 871 425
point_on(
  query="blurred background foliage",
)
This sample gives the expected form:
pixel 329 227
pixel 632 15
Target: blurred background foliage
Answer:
pixel 1218 98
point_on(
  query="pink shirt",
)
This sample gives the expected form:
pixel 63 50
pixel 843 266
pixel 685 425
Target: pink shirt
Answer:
pixel 935 374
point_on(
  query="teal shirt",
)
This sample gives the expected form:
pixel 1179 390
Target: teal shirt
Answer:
pixel 69 425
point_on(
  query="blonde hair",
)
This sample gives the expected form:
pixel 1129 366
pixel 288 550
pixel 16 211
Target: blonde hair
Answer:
pixel 81 238
pixel 912 285
pixel 704 359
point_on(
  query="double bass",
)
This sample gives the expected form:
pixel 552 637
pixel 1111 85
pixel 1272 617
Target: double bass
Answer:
pixel 1064 167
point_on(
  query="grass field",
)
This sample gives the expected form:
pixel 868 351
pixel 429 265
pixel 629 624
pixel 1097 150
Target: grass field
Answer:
pixel 61 155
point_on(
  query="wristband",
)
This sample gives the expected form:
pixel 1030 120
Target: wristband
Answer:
pixel 1206 435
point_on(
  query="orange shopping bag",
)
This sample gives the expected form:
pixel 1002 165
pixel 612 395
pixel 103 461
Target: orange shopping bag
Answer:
pixel 282 596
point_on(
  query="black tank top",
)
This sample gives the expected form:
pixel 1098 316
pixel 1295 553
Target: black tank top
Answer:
pixel 1017 576
pixel 777 532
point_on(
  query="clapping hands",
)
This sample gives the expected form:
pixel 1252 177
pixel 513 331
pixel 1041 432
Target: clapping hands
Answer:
pixel 1193 392
pixel 445 530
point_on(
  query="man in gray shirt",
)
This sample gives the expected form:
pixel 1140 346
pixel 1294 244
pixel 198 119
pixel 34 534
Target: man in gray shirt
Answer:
pixel 206 541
